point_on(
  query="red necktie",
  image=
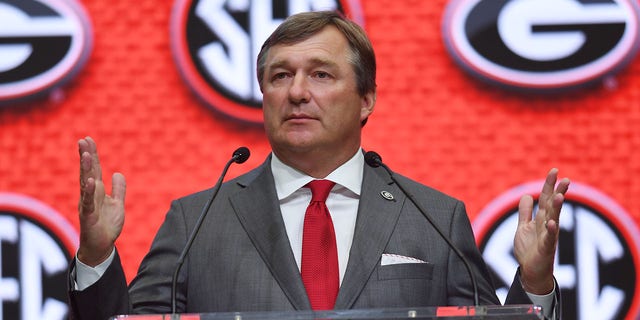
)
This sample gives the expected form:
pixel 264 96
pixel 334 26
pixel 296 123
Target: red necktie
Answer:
pixel 319 251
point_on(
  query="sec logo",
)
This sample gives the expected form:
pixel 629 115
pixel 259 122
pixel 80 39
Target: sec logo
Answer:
pixel 43 44
pixel 597 258
pixel 36 244
pixel 542 45
pixel 215 44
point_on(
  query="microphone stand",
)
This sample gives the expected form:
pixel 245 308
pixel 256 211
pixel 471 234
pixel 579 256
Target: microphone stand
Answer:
pixel 240 155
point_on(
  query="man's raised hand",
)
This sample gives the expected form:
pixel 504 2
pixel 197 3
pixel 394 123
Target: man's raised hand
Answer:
pixel 101 215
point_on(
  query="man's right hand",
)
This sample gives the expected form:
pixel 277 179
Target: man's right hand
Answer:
pixel 101 215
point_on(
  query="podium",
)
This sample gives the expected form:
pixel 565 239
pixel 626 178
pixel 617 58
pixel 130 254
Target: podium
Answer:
pixel 510 312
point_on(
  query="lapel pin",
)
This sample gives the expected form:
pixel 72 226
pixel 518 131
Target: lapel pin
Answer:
pixel 387 195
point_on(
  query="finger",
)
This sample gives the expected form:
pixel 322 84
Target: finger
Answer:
pixel 549 233
pixel 118 187
pixel 552 226
pixel 95 163
pixel 563 186
pixel 87 181
pixel 525 209
pixel 85 168
pixel 90 174
pixel 88 146
pixel 83 146
pixel 556 207
pixel 84 165
pixel 87 197
pixel 548 186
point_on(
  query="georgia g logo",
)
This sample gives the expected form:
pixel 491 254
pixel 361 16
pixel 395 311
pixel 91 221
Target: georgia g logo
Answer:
pixel 43 44
pixel 215 44
pixel 542 45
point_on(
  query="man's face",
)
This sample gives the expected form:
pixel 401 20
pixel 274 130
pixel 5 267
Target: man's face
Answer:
pixel 310 97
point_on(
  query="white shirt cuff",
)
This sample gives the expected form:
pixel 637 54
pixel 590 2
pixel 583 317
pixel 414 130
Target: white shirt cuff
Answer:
pixel 546 301
pixel 84 276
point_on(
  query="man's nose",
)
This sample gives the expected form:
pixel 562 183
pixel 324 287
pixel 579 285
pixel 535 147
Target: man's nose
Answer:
pixel 299 90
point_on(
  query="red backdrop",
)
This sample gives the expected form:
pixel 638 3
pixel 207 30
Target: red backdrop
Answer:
pixel 432 122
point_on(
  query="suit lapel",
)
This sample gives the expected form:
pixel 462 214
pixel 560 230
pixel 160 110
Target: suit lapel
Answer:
pixel 377 217
pixel 259 213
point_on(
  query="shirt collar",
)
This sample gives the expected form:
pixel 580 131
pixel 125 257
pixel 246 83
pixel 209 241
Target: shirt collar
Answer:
pixel 288 180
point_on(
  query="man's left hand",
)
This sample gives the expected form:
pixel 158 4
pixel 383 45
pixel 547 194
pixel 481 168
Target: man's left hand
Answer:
pixel 536 238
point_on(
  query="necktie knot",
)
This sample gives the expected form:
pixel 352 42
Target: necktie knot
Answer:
pixel 320 189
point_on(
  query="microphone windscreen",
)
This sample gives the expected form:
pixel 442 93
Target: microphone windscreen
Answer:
pixel 241 155
pixel 373 159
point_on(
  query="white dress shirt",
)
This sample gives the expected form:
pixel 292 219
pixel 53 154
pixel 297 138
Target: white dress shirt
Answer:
pixel 342 203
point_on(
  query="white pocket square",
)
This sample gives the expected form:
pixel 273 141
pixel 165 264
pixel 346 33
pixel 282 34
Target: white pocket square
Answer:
pixel 389 259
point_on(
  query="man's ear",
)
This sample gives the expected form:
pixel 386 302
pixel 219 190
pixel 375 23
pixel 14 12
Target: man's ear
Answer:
pixel 368 103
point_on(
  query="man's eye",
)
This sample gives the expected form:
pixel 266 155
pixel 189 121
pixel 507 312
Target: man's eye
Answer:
pixel 279 76
pixel 322 75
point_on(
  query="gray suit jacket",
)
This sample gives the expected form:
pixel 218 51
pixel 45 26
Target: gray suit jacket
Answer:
pixel 242 261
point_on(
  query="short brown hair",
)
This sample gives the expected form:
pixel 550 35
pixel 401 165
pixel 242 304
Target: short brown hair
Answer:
pixel 302 26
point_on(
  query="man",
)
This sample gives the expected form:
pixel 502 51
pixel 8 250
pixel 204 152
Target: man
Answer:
pixel 317 75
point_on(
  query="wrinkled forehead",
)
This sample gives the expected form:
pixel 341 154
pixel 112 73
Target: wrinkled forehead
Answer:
pixel 327 46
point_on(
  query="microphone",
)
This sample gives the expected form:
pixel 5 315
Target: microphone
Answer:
pixel 240 155
pixel 374 160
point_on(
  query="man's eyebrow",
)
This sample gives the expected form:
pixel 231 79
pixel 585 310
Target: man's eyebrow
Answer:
pixel 277 64
pixel 315 62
